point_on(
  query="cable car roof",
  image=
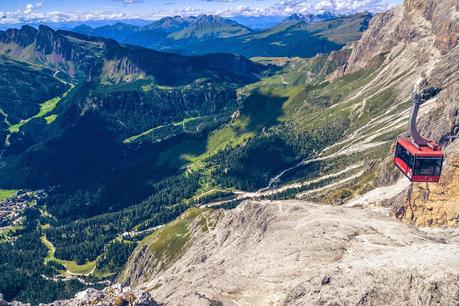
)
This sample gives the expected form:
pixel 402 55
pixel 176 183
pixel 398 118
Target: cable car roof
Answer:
pixel 422 151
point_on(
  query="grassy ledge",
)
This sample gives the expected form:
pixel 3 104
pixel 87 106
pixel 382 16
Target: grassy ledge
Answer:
pixel 170 242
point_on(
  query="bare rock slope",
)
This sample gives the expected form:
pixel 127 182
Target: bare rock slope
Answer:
pixel 420 36
pixel 418 42
pixel 295 253
pixel 115 295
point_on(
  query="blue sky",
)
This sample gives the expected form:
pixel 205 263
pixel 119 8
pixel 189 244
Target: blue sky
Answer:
pixel 12 11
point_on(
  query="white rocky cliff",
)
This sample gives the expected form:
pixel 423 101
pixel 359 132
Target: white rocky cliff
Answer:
pixel 297 253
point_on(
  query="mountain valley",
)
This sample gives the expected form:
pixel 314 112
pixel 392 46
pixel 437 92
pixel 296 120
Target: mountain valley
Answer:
pixel 209 178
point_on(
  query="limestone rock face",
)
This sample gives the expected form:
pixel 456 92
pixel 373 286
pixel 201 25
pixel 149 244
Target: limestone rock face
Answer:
pixel 421 35
pixel 3 302
pixel 298 253
pixel 428 25
pixel 115 295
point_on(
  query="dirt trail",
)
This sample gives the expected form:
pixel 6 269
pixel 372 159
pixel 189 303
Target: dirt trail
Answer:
pixel 332 185
pixel 272 192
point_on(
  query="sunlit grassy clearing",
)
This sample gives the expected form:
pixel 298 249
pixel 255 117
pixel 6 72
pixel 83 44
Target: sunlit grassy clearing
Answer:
pixel 5 194
pixel 50 119
pixel 71 266
pixel 45 108
pixel 149 131
pixel 169 242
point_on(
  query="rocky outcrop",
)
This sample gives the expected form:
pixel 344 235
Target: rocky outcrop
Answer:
pixel 115 295
pixel 419 41
pixel 434 204
pixel 443 18
pixel 296 253
pixel 418 23
pixel 420 38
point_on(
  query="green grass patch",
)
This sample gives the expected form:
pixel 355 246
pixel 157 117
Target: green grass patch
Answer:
pixel 45 108
pixel 258 112
pixel 145 133
pixel 149 131
pixel 9 232
pixel 50 119
pixel 71 266
pixel 6 193
pixel 191 152
pixel 169 243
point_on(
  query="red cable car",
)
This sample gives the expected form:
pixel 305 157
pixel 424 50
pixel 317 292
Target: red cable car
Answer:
pixel 419 164
pixel 418 158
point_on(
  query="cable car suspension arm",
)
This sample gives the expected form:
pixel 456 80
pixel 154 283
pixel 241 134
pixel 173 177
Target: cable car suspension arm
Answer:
pixel 420 98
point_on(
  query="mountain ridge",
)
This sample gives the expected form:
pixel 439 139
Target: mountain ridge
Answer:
pixel 70 51
pixel 209 33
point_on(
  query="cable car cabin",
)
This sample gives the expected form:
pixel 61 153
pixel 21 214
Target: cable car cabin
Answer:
pixel 418 163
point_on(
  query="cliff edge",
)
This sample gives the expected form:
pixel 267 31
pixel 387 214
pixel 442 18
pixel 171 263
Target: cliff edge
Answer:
pixel 295 253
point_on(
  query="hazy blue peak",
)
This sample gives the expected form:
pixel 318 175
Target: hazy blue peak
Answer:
pixel 310 18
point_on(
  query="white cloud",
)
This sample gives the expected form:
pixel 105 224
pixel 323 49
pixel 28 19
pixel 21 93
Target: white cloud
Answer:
pixel 130 1
pixel 28 9
pixel 289 7
pixel 349 6
pixel 33 14
pixel 32 6
pixel 220 0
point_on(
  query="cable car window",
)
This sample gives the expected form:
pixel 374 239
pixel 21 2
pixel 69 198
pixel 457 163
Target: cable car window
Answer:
pixel 404 155
pixel 428 166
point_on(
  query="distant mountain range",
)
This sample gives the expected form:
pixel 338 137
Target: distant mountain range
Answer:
pixel 297 35
pixel 83 56
pixel 258 22
pixel 310 18
pixel 68 25
pixel 253 22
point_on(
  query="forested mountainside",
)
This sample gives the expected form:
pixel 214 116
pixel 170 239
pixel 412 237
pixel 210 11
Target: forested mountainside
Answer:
pixel 77 140
pixel 135 137
pixel 98 58
pixel 298 35
pixel 23 87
